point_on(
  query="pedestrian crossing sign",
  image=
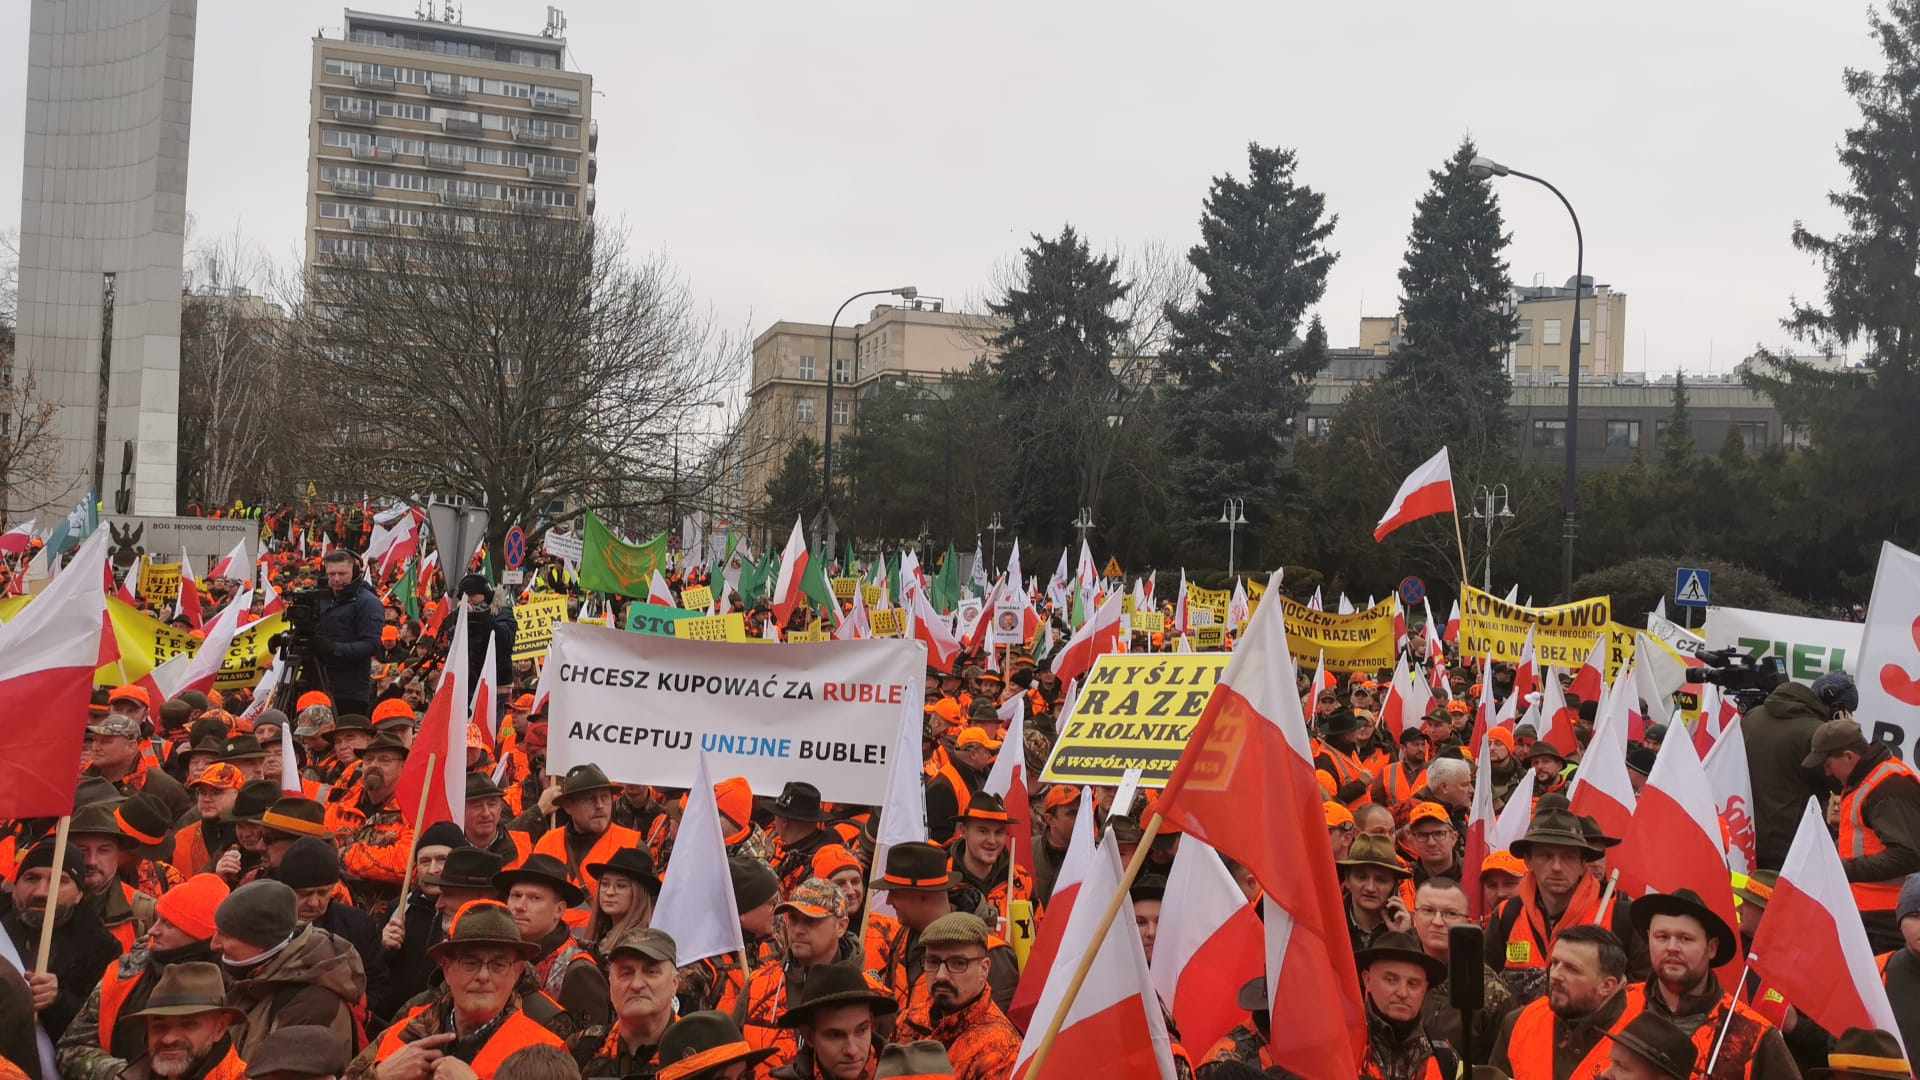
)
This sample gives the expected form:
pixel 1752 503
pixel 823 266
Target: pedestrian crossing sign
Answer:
pixel 1692 587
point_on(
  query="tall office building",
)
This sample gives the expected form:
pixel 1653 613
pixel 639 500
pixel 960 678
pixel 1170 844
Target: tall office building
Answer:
pixel 418 115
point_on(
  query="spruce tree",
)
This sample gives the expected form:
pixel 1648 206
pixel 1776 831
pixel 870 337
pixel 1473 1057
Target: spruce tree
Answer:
pixel 1676 441
pixel 1240 370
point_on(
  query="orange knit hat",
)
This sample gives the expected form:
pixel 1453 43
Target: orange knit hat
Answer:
pixel 312 698
pixel 190 904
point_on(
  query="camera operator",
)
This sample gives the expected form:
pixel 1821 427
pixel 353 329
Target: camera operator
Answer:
pixel 1779 735
pixel 484 625
pixel 346 636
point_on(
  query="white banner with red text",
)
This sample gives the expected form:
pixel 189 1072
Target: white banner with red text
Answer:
pixel 643 708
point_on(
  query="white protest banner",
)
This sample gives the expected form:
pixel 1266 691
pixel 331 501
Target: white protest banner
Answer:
pixel 643 708
pixel 1889 675
pixel 1804 648
pixel 568 547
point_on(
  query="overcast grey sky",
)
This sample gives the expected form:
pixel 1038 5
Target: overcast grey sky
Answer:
pixel 787 155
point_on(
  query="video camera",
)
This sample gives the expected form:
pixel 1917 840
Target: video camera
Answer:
pixel 1744 675
pixel 303 613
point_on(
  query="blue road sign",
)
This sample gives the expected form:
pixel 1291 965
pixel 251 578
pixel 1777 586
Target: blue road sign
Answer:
pixel 1692 587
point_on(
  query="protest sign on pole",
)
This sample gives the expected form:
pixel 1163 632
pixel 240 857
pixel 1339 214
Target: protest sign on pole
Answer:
pixel 1211 600
pixel 1889 679
pixel 891 623
pixel 1009 623
pixel 159 583
pixel 1134 711
pixel 643 708
pixel 654 619
pixel 567 547
pixel 1804 648
pixel 536 620
pixel 696 598
pixel 731 627
pixel 1363 641
pixel 1563 635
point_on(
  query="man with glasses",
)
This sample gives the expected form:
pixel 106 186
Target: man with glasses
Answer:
pixel 958 1012
pixel 1434 842
pixel 1439 905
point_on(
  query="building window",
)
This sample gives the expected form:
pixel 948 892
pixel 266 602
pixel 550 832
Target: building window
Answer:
pixel 1550 434
pixel 1523 332
pixel 1550 332
pixel 1319 427
pixel 803 410
pixel 842 412
pixel 1586 331
pixel 806 368
pixel 1753 433
pixel 843 369
pixel 1623 434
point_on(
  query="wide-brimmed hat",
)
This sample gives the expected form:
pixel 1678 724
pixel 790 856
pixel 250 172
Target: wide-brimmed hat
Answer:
pixel 1866 1052
pixel 836 984
pixel 292 815
pixel 1339 722
pixel 466 868
pixel 383 743
pixel 1404 947
pixel 701 1044
pixel 481 786
pixel 252 802
pixel 188 989
pixel 985 807
pixel 352 722
pixel 1688 903
pixel 632 862
pixel 143 820
pixel 243 748
pixel 542 870
pixel 1545 749
pixel 923 1060
pixel 1756 887
pixel 98 819
pixel 1377 851
pixel 1556 828
pixel 915 866
pixel 1660 1044
pixel 1253 994
pixel 582 779
pixel 484 922
pixel 798 801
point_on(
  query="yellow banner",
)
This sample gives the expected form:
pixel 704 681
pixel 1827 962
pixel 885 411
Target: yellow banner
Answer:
pixel 1148 622
pixel 538 619
pixel 1563 635
pixel 1135 711
pixel 145 643
pixel 814 634
pixel 1362 641
pixel 843 587
pixel 872 593
pixel 697 598
pixel 159 583
pixel 1214 600
pixel 1209 638
pixel 890 623
pixel 713 628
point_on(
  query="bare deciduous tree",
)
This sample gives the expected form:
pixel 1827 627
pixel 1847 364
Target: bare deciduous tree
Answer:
pixel 234 375
pixel 27 445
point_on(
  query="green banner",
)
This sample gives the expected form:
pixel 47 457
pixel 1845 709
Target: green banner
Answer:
pixel 656 620
pixel 609 565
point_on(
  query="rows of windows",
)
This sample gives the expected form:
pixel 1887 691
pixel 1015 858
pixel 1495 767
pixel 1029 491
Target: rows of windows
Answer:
pixel 1552 332
pixel 466 152
pixel 448 81
pixel 505 54
pixel 434 114
pixel 1625 434
pixel 452 185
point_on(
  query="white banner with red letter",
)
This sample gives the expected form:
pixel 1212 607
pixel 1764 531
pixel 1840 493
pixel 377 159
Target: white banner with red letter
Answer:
pixel 1889 676
pixel 643 708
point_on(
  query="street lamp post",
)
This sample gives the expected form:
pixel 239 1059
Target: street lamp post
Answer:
pixel 993 553
pixel 1084 522
pixel 1482 168
pixel 1485 508
pixel 1232 515
pixel 673 490
pixel 905 292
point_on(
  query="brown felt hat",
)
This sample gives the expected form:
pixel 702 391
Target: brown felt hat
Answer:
pixel 188 989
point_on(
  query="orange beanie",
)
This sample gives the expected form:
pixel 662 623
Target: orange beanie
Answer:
pixel 190 904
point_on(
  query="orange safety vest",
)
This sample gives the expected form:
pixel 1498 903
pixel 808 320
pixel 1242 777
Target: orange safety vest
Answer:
pixel 1528 943
pixel 516 1034
pixel 554 843
pixel 1370 1070
pixel 125 933
pixel 1347 769
pixel 1858 840
pixel 115 989
pixel 1530 1045
pixel 230 1067
pixel 1393 781
pixel 1740 1046
pixel 962 794
pixel 190 854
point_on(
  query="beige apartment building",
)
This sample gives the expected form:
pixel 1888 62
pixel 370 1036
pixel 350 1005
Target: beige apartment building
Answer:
pixel 1542 334
pixel 787 397
pixel 414 116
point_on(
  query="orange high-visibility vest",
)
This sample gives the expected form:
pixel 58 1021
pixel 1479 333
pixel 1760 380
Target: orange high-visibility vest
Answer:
pixel 1858 840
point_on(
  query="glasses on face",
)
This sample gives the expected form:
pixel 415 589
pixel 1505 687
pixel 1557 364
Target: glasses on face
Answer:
pixel 1440 915
pixel 1432 836
pixel 952 965
pixel 474 965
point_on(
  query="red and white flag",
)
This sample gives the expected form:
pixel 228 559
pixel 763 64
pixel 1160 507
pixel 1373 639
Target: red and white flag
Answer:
pixel 1732 785
pixel 1526 673
pixel 1889 663
pixel 1182 618
pixel 1480 822
pixel 793 570
pixel 931 628
pixel 1601 788
pixel 48 653
pixel 1512 822
pixel 1245 785
pixel 130 584
pixel 270 602
pixel 1451 633
pixel 697 906
pixel 1590 681
pixel 188 604
pixel 1484 710
pixel 856 626
pixel 1053 923
pixel 441 743
pixel 1811 947
pixel 1428 491
pixel 200 673
pixel 1673 841
pixel 234 564
pixel 486 696
pixel 1556 719
pixel 658 592
pixel 1114 1026
pixel 1008 780
pixel 1096 637
pixel 1408 699
pixel 1203 957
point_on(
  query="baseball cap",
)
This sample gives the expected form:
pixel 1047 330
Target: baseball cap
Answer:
pixel 221 777
pixel 648 942
pixel 976 736
pixel 1428 811
pixel 136 694
pixel 814 898
pixel 1833 737
pixel 1503 862
pixel 1337 814
pixel 124 726
pixel 1060 795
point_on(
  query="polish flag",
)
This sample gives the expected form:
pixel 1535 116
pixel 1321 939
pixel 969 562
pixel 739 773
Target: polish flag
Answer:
pixel 405 543
pixel 289 762
pixel 1008 779
pixel 271 604
pixel 1435 643
pixel 659 593
pixel 976 635
pixel 1452 631
pixel 1673 841
pixel 233 565
pixel 189 602
pixel 1408 699
pixel 16 540
pixel 1245 785
pixel 1601 788
pixel 1526 672
pixel 1100 635
pixel 1732 785
pixel 486 694
pixel 1811 946
pixel 856 626
pixel 1480 823
pixel 1074 867
pixel 933 630
pixel 1202 958
pixel 129 585
pixel 1514 817
pixel 48 653
pixel 1238 607
pixel 1181 617
pixel 1087 572
pixel 212 653
pixel 1484 710
pixel 442 739
pixel 1590 682
pixel 1322 682
pixel 1428 491
pixel 1555 717
pixel 1114 1025
pixel 793 570
pixel 1717 714
pixel 550 673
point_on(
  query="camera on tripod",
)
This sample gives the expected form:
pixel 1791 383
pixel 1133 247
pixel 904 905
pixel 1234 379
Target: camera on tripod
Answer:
pixel 303 613
pixel 1744 675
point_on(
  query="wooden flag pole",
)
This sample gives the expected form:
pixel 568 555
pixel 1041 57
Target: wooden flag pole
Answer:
pixel 1606 898
pixel 53 895
pixel 1099 938
pixel 413 844
pixel 1460 540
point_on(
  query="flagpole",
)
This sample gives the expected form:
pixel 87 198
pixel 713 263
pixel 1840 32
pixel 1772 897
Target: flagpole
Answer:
pixel 413 844
pixel 1733 1003
pixel 1099 936
pixel 1460 542
pixel 1606 898
pixel 53 894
